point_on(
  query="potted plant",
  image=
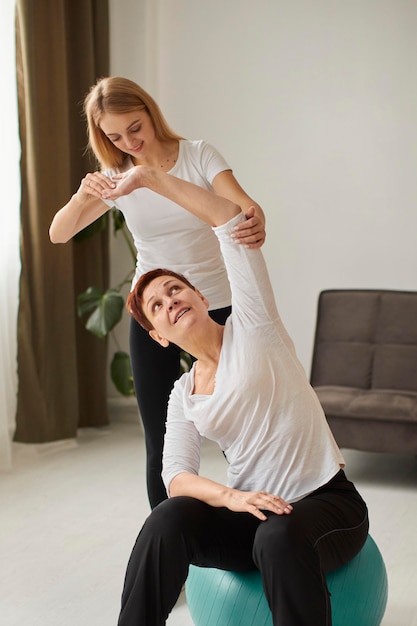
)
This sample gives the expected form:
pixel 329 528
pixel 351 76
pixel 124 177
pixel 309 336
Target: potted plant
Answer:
pixel 102 310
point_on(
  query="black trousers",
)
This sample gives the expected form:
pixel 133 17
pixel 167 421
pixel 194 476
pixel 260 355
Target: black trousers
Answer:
pixel 293 553
pixel 155 370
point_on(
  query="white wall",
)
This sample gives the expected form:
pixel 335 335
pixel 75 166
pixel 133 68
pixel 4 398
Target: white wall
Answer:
pixel 128 57
pixel 314 104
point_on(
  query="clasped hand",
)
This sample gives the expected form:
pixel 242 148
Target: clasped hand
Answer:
pixel 106 188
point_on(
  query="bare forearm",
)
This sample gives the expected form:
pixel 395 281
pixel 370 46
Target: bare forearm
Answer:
pixel 85 206
pixel 205 489
pixel 204 204
pixel 218 495
pixel 208 206
pixel 250 233
pixel 73 217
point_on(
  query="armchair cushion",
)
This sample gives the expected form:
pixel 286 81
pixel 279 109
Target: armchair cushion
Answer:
pixel 364 367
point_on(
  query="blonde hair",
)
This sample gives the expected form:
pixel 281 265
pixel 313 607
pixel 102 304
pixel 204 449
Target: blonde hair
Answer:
pixel 115 94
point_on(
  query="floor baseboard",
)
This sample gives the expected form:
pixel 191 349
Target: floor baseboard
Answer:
pixel 122 409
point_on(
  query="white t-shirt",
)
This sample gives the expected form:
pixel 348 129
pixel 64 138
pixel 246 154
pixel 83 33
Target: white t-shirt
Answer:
pixel 263 413
pixel 166 235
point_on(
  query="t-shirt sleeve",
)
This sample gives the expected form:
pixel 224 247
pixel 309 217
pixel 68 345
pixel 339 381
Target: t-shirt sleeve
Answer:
pixel 211 161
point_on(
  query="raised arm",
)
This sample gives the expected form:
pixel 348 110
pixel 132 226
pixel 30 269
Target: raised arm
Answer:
pixel 208 206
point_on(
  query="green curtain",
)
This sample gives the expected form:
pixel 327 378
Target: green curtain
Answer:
pixel 62 48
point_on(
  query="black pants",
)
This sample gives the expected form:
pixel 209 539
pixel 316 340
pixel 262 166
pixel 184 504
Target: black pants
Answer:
pixel 293 552
pixel 155 370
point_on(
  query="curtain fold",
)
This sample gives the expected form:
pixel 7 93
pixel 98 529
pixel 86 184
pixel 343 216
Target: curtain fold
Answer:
pixel 9 236
pixel 62 48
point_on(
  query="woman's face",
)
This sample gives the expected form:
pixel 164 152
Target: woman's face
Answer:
pixel 173 308
pixel 133 132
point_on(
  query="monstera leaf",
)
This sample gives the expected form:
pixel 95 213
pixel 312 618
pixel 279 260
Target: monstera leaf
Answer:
pixel 105 308
pixel 121 374
pixel 102 310
pixel 89 231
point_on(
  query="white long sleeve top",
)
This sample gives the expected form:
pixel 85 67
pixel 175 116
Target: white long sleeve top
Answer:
pixel 263 412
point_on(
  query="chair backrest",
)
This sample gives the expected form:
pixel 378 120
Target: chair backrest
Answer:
pixel 366 339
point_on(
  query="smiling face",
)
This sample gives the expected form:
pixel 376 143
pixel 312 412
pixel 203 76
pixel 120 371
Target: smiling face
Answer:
pixel 132 133
pixel 173 308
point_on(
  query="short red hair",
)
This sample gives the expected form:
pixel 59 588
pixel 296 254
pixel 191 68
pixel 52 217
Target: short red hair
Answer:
pixel 134 302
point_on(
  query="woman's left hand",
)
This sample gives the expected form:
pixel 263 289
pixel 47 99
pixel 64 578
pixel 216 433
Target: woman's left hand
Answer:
pixel 252 232
pixel 125 183
pixel 256 502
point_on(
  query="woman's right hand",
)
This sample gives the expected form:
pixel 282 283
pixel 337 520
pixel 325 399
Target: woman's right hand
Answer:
pixel 255 502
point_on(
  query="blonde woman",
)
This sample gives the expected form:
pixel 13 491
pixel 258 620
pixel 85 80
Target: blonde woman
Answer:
pixel 126 129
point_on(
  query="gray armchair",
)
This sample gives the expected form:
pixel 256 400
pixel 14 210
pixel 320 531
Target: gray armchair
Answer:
pixel 364 368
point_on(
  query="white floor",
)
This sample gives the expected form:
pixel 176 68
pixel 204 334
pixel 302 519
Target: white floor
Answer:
pixel 69 515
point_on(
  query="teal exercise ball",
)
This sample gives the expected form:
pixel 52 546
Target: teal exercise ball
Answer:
pixel 359 592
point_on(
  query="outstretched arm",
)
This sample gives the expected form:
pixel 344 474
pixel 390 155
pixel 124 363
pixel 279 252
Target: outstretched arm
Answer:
pixel 208 206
